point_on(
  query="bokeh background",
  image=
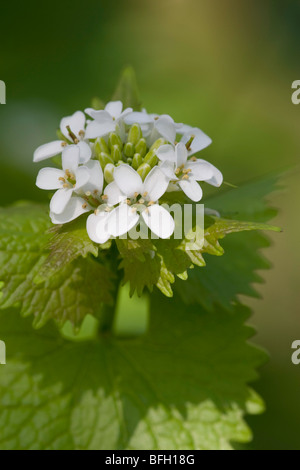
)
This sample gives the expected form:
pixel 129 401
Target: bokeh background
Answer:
pixel 224 65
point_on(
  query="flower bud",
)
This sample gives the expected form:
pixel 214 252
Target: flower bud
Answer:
pixel 104 159
pixel 97 103
pixel 135 134
pixel 129 161
pixel 158 143
pixel 143 170
pixel 114 139
pixel 109 173
pixel 116 153
pixel 151 158
pixel 101 146
pixel 129 150
pixel 141 147
pixel 137 161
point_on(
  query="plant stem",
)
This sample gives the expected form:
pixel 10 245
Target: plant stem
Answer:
pixel 107 319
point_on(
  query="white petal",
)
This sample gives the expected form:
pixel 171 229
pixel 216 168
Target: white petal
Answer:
pixel 48 150
pixel 85 152
pixel 100 116
pixel 192 189
pixel 155 184
pixel 70 158
pixel 139 118
pixel 95 177
pixel 48 178
pixel 181 154
pixel 122 220
pixel 76 123
pixel 159 221
pixel 82 175
pixel 114 194
pixel 166 128
pixel 183 128
pixel 99 129
pixel 60 200
pixel 217 178
pixel 200 142
pixel 114 108
pixel 90 112
pixel 147 130
pixel 166 153
pixel 201 170
pixel 76 207
pixel 152 135
pixel 124 114
pixel 152 115
pixel 168 169
pixel 96 227
pixel 128 180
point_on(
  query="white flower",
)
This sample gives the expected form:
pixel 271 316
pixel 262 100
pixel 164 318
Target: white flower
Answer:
pixel 76 123
pixel 89 197
pixel 105 120
pixel 141 197
pixel 97 223
pixel 96 226
pixel 72 178
pixel 186 173
pixel 154 126
pixel 74 208
pixel 198 139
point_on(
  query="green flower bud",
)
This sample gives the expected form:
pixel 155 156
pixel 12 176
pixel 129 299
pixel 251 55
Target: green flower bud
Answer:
pixel 101 146
pixel 143 170
pixel 141 147
pixel 114 139
pixel 135 134
pixel 129 150
pixel 116 153
pixel 129 161
pixel 137 161
pixel 109 173
pixel 97 103
pixel 104 159
pixel 151 158
pixel 158 143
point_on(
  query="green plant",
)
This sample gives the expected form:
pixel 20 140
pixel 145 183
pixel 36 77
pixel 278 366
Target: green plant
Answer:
pixel 183 383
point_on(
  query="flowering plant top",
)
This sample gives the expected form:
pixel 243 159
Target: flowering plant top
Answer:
pixel 117 164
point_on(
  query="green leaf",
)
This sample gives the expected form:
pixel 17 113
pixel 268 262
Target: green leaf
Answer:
pixel 127 90
pixel 147 263
pixel 66 243
pixel 223 227
pixel 181 386
pixel 236 270
pixel 247 202
pixel 143 267
pixel 225 278
pixel 77 289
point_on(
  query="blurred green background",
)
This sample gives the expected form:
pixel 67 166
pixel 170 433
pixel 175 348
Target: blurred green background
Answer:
pixel 224 65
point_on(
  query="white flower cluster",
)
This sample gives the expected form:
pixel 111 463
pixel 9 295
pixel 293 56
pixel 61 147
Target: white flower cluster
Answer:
pixel 118 165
